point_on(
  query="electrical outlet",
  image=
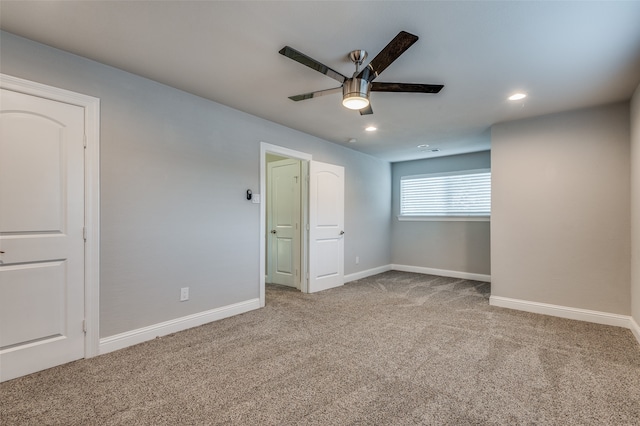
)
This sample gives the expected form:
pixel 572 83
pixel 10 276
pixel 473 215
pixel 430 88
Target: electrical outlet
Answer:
pixel 357 260
pixel 184 294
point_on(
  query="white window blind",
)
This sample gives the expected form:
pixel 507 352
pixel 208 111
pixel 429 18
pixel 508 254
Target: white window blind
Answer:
pixel 450 194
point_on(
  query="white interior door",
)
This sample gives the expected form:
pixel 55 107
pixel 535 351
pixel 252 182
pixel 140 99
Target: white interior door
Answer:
pixel 41 233
pixel 326 221
pixel 284 222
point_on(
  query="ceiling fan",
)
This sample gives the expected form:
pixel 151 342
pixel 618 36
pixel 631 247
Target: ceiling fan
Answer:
pixel 356 90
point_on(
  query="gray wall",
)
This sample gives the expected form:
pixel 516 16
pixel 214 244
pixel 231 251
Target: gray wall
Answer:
pixel 635 206
pixel 453 246
pixel 174 171
pixel 560 220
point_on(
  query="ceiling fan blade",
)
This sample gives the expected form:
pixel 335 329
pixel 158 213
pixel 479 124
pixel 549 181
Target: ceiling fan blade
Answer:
pixel 292 53
pixel 366 110
pixel 310 95
pixel 406 87
pixel 390 53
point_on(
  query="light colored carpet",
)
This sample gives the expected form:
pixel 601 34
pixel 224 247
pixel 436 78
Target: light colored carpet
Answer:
pixel 393 349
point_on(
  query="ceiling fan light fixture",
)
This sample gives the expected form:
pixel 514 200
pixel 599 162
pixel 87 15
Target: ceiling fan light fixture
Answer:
pixel 355 93
pixel 355 102
pixel 517 96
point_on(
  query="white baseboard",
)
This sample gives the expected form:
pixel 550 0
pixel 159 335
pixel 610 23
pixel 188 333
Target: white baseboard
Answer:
pixel 635 329
pixel 442 272
pixel 562 311
pixel 366 273
pixel 133 337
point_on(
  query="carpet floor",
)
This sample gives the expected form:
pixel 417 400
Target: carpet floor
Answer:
pixel 393 349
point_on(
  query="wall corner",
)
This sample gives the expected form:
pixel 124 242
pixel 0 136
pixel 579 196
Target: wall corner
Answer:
pixel 635 206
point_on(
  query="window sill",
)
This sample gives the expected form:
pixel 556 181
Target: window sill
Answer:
pixel 444 218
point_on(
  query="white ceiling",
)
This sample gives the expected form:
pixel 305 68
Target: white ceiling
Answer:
pixel 565 55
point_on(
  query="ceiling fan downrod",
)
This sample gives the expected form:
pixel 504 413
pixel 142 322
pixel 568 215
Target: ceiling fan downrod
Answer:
pixel 357 57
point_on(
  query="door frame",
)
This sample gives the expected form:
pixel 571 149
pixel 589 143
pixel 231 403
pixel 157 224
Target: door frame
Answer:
pixel 267 148
pixel 91 107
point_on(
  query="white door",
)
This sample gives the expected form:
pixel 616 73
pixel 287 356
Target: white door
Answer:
pixel 284 222
pixel 41 233
pixel 326 221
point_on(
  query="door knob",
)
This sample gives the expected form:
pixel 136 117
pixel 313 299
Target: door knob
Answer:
pixel 341 232
pixel 273 231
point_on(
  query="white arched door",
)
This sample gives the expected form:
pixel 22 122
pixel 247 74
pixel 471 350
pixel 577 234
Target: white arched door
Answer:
pixel 326 222
pixel 42 220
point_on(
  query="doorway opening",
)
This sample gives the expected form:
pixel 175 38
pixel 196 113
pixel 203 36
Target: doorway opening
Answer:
pixel 284 218
pixel 284 221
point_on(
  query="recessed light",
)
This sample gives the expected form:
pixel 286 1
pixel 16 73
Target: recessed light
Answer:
pixel 517 96
pixel 423 146
pixel 371 129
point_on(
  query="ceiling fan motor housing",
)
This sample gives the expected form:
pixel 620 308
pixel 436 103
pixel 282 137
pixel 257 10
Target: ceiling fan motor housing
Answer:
pixel 356 89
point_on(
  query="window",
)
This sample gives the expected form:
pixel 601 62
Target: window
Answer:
pixel 457 194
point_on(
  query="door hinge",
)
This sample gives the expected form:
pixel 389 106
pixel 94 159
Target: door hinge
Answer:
pixel 84 233
pixel 308 228
pixel 307 275
pixel 84 326
pixel 84 140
